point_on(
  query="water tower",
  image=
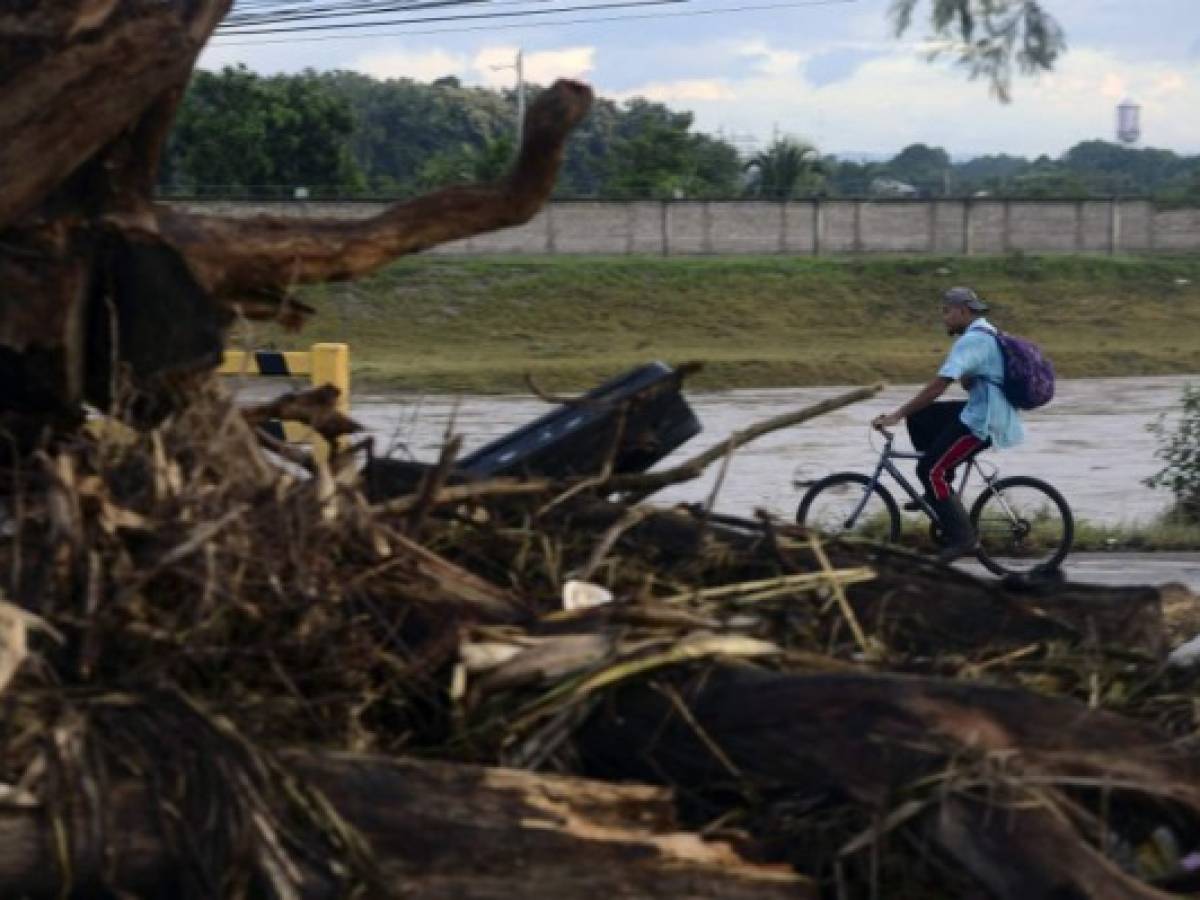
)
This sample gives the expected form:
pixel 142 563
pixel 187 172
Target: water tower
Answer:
pixel 1129 123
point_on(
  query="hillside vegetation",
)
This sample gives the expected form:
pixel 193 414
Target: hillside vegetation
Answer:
pixel 241 134
pixel 431 323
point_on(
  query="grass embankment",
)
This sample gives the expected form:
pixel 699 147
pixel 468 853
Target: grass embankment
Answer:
pixel 430 323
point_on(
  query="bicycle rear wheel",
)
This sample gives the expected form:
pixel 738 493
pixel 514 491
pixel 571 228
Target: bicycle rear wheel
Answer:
pixel 1023 524
pixel 840 504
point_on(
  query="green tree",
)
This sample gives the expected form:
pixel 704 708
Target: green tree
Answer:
pixel 1185 189
pixel 1045 180
pixel 718 167
pixel 847 178
pixel 990 37
pixel 990 173
pixel 401 125
pixel 451 166
pixel 491 161
pixel 219 136
pixel 467 163
pixel 786 169
pixel 925 168
pixel 654 154
pixel 409 136
pixel 238 129
pixel 1112 169
pixel 1179 449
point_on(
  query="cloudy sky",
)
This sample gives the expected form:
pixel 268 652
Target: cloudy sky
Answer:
pixel 830 71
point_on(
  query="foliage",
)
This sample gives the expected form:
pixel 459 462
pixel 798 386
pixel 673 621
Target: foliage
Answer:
pixel 989 168
pixel 1180 450
pixel 239 129
pixel 849 178
pixel 789 168
pixel 1089 169
pixel 1045 179
pixel 989 37
pixel 925 168
pixel 402 127
pixel 467 163
pixel 658 156
pixel 413 136
pixel 346 132
pixel 397 136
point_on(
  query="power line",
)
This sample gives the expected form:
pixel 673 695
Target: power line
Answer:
pixel 238 21
pixel 218 41
pixel 621 4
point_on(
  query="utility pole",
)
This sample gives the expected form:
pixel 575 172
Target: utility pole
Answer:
pixel 519 65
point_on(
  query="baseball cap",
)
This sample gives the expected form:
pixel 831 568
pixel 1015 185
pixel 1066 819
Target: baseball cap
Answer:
pixel 963 296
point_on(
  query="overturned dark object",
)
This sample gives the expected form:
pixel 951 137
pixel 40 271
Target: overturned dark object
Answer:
pixel 625 425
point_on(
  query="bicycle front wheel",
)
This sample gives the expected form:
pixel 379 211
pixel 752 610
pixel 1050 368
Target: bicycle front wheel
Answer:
pixel 1023 524
pixel 847 504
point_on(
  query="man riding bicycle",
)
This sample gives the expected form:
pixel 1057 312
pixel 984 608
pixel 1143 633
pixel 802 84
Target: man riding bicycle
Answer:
pixel 986 419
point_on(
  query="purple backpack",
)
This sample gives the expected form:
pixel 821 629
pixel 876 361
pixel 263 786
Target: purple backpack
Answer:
pixel 1028 374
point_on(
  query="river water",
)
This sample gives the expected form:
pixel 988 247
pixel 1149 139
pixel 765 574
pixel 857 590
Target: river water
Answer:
pixel 1092 442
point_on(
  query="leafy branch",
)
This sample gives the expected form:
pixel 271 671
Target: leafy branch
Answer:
pixel 990 37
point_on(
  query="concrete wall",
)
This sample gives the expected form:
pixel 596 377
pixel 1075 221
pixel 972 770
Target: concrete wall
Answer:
pixel 804 227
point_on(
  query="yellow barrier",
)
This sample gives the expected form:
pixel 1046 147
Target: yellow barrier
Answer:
pixel 323 364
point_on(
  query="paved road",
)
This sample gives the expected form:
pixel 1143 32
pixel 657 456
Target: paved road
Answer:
pixel 1127 568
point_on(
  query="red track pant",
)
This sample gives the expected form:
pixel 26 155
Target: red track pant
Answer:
pixel 953 446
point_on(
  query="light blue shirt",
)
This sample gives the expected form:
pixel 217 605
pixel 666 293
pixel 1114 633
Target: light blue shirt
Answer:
pixel 976 355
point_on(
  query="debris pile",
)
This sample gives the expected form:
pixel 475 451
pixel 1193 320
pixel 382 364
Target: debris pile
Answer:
pixel 195 637
pixel 227 672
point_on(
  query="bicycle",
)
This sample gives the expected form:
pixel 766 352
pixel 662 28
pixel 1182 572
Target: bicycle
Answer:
pixel 1024 524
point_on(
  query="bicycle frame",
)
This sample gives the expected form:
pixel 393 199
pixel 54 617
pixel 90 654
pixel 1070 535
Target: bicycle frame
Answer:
pixel 886 464
pixel 1008 525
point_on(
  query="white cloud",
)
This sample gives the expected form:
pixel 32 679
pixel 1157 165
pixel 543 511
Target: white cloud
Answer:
pixel 491 65
pixel 686 90
pixel 897 99
pixel 425 65
pixel 1113 87
pixel 541 66
pixel 1171 83
pixel 844 82
pixel 768 60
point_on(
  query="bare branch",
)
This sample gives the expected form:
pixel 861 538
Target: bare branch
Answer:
pixel 260 259
pixel 637 487
pixel 641 486
pixel 316 408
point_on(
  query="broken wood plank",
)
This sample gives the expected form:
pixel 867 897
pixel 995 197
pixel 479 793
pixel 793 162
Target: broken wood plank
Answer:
pixel 437 830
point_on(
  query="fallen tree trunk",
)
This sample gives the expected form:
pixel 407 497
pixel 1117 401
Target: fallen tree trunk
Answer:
pixel 1022 851
pixel 938 609
pixel 437 829
pixel 1002 769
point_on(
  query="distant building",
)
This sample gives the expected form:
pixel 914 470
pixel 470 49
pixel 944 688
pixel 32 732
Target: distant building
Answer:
pixel 892 187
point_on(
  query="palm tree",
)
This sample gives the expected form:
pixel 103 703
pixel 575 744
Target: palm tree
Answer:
pixel 788 168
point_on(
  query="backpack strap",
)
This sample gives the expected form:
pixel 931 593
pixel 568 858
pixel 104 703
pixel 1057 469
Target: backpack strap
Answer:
pixel 991 329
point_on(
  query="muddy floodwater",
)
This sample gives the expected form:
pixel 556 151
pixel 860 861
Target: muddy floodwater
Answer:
pixel 1091 442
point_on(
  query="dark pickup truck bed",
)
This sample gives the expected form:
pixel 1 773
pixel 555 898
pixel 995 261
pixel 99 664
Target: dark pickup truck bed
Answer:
pixel 574 438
